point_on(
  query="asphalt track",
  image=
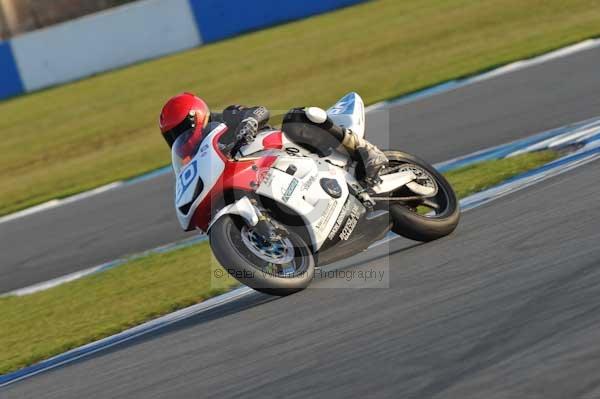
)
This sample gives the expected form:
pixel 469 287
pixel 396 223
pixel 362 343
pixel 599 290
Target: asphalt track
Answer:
pixel 507 307
pixel 134 218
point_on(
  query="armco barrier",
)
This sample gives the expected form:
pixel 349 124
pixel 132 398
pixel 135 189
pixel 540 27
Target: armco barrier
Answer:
pixel 218 19
pixel 135 32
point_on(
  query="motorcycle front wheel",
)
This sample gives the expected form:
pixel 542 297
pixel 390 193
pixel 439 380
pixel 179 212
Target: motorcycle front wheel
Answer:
pixel 427 218
pixel 280 267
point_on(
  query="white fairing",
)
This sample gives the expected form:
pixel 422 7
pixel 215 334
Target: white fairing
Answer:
pixel 349 112
pixel 303 194
pixel 205 168
pixel 242 207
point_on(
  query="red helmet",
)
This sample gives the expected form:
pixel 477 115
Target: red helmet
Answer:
pixel 181 114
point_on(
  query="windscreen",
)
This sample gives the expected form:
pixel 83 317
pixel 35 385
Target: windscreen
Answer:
pixel 185 148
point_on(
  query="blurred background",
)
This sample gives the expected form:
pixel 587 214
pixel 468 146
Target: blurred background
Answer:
pixel 19 16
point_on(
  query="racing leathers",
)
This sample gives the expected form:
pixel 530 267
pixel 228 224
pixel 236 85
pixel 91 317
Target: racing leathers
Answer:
pixel 308 127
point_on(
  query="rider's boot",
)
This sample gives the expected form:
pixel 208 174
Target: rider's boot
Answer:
pixel 360 149
pixel 372 157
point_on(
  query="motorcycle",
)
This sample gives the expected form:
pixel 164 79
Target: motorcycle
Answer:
pixel 274 211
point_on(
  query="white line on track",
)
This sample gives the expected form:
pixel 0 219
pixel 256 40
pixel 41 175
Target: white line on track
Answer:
pixel 32 289
pixel 503 70
pixel 127 335
pixel 59 202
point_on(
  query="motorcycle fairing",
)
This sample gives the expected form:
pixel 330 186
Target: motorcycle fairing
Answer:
pixel 349 112
pixel 299 190
pixel 242 207
pixel 205 168
pixel 208 176
pixel 353 231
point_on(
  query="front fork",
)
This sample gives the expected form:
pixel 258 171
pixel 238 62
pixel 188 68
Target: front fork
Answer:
pixel 249 210
pixel 269 228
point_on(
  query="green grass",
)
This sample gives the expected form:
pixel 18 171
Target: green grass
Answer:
pixel 37 326
pixel 478 177
pixel 74 137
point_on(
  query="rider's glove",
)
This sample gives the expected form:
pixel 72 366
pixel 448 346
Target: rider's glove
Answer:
pixel 247 130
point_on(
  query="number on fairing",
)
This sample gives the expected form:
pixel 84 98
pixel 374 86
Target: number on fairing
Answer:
pixel 186 177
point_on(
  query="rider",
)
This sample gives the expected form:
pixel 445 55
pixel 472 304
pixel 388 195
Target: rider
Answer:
pixel 309 127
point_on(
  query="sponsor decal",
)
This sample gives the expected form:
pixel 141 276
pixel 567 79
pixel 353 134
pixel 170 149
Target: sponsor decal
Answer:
pixel 338 222
pixel 265 177
pixel 290 189
pixel 350 223
pixel 203 150
pixel 352 211
pixel 306 185
pixel 331 187
pixel 326 216
pixel 344 106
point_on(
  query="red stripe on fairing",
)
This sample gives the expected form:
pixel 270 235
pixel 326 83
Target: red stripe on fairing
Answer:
pixel 237 175
pixel 215 143
pixel 273 141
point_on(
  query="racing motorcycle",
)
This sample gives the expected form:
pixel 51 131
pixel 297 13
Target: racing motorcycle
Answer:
pixel 274 211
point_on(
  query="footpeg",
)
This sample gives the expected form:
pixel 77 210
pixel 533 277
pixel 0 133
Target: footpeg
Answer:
pixel 374 181
pixel 362 195
pixel 366 199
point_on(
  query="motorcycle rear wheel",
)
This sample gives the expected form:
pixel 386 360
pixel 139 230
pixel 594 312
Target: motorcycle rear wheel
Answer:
pixel 277 268
pixel 408 221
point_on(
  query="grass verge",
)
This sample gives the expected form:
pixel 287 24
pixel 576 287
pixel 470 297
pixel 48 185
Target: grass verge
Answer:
pixel 478 177
pixel 38 326
pixel 74 137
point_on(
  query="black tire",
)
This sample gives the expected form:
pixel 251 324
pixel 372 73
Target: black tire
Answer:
pixel 245 266
pixel 410 224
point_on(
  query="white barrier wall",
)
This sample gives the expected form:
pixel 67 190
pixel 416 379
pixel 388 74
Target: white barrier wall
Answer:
pixel 104 41
pixel 136 32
